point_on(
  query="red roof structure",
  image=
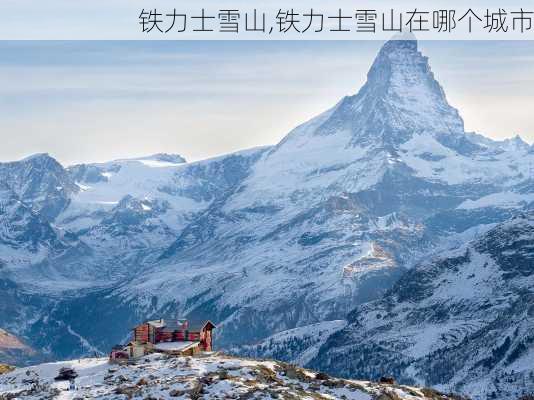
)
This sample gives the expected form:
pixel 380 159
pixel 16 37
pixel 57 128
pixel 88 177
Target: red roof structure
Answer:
pixel 175 330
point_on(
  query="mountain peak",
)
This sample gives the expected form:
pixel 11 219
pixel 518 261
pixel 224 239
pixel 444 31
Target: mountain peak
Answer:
pixel 38 157
pixel 400 65
pixel 41 161
pixel 519 140
pixel 400 99
pixel 515 143
pixel 166 157
pixel 403 42
pixel 40 181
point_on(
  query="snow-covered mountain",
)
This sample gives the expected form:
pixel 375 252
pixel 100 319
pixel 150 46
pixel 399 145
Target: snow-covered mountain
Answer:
pixel 25 236
pixel 119 217
pixel 463 320
pixel 260 241
pixel 389 171
pixel 212 376
pixel 41 181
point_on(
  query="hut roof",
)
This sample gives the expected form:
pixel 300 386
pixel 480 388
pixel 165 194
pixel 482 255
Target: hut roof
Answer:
pixel 172 325
pixel 198 326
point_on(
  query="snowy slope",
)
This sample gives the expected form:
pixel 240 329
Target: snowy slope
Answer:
pixel 461 320
pixel 298 346
pixel 210 376
pixel 175 190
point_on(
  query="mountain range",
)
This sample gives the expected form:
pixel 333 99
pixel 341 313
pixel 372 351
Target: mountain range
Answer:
pixel 464 319
pixel 355 213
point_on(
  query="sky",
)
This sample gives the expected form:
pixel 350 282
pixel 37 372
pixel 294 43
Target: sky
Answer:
pixel 94 101
pixel 118 19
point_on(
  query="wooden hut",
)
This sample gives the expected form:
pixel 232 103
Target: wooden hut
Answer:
pixel 175 330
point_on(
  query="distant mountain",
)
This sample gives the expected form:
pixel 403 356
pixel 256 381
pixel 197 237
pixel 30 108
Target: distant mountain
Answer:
pixel 261 241
pixel 122 216
pixel 25 235
pixel 41 181
pixel 463 320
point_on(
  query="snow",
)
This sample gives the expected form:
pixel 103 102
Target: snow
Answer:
pixel 143 178
pixel 211 375
pixel 391 222
pixel 472 281
pixel 454 168
pixel 83 187
pixel 129 178
pixel 133 178
pixel 159 164
pixel 506 199
pixel 174 346
pixel 314 334
pixel 308 161
pixel 107 203
pixel 83 342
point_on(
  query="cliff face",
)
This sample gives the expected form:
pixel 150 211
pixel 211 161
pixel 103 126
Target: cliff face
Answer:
pixel 13 350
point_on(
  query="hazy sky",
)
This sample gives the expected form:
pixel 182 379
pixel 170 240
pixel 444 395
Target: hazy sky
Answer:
pixel 96 101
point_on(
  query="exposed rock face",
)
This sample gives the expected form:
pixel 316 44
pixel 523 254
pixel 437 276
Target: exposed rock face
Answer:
pixel 12 349
pixel 41 181
pixel 400 99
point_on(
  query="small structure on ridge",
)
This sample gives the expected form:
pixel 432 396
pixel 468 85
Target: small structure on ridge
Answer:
pixel 170 336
